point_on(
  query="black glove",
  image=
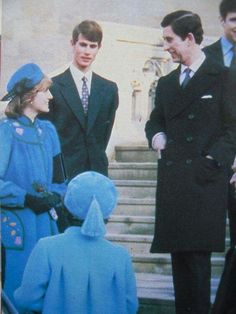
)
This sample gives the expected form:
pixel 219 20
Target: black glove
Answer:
pixel 42 204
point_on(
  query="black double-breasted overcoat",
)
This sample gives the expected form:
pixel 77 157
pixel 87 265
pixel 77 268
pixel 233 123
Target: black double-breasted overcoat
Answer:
pixel 83 138
pixel 191 193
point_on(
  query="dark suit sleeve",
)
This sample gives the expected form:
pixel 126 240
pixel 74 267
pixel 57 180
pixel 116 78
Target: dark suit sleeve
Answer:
pixel 156 122
pixel 224 148
pixel 114 107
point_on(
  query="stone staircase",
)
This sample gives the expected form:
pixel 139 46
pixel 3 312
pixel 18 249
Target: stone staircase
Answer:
pixel 134 172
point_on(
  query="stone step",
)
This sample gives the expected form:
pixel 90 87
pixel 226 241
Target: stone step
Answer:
pixel 161 264
pixel 139 247
pixel 132 171
pixel 136 243
pixel 136 188
pixel 152 263
pixel 124 224
pixel 136 206
pixel 156 293
pixel 134 224
pixel 135 154
pixel 141 243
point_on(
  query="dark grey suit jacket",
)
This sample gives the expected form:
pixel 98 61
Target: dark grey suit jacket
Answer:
pixel 214 51
pixel 83 139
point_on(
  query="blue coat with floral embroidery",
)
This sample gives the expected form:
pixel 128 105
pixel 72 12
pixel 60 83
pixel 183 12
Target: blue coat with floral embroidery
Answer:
pixel 26 154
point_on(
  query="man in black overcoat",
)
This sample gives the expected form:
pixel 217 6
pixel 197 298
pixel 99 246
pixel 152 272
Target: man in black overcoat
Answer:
pixel 193 127
pixel 84 105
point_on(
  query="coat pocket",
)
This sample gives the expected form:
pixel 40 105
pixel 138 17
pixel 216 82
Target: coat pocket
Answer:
pixel 206 170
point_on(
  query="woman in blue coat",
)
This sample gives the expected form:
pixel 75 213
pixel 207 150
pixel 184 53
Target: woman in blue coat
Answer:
pixel 28 149
pixel 79 270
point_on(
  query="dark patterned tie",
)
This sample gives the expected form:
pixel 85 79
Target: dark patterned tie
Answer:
pixel 85 95
pixel 233 61
pixel 186 78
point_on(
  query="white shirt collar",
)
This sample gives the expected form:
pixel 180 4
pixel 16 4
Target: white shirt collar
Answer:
pixel 195 65
pixel 78 75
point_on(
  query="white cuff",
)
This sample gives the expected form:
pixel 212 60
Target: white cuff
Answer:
pixel 159 141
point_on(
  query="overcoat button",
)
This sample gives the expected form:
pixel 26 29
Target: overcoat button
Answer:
pixel 191 116
pixel 188 161
pixel 169 163
pixel 189 139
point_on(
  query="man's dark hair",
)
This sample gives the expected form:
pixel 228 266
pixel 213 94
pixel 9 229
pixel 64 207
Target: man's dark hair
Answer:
pixel 184 22
pixel 91 30
pixel 227 6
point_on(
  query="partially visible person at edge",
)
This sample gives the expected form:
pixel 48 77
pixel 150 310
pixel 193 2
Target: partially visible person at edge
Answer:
pixel 29 154
pixel 83 112
pixel 80 271
pixel 223 51
pixel 193 127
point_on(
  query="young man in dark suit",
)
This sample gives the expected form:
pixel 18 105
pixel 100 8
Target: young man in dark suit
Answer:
pixel 84 105
pixel 194 128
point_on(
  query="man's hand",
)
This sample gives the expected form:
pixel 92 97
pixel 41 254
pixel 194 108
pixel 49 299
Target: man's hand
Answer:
pixel 159 142
pixel 233 180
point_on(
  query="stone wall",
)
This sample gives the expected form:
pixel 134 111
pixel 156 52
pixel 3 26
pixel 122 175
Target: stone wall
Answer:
pixel 131 54
pixel 40 30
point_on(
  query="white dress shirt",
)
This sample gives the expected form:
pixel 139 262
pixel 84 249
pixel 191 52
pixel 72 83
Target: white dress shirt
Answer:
pixel 193 67
pixel 78 75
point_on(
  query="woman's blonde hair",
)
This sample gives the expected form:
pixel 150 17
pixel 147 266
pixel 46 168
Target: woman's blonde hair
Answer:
pixel 16 106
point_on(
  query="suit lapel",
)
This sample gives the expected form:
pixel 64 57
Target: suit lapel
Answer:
pixel 215 52
pixel 173 94
pixel 95 100
pixel 71 95
pixel 200 82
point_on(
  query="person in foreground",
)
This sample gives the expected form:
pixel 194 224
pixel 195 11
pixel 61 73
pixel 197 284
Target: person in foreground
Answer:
pixel 193 125
pixel 29 148
pixel 80 271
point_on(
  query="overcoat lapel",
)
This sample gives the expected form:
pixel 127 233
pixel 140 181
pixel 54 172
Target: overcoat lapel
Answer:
pixel 71 95
pixel 95 100
pixel 199 83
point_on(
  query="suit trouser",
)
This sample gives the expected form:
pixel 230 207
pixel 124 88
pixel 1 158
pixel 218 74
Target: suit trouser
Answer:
pixel 192 282
pixel 225 301
pixel 232 214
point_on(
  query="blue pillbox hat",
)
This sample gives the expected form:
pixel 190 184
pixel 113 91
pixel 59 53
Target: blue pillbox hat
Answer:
pixel 23 80
pixel 91 197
